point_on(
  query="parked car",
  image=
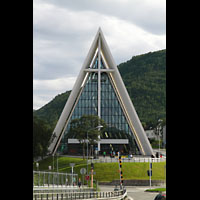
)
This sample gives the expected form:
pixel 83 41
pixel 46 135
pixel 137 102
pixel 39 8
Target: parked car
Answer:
pixel 160 196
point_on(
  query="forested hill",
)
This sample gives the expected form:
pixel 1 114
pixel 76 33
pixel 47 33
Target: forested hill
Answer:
pixel 145 80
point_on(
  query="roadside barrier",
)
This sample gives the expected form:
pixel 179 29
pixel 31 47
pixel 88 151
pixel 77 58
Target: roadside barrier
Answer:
pixel 81 195
pixel 53 179
pixel 134 159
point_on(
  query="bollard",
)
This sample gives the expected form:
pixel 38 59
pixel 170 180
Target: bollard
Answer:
pixel 47 196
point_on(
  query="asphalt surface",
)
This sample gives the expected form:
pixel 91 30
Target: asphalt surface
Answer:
pixel 134 192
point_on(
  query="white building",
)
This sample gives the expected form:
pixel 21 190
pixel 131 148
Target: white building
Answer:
pixel 151 134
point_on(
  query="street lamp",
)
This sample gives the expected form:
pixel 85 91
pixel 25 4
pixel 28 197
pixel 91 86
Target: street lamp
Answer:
pixel 98 127
pixel 37 165
pixel 49 175
pixel 57 161
pixel 159 126
pixel 72 165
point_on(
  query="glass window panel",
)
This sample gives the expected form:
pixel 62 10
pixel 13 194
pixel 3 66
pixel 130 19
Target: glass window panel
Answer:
pixel 110 108
pixel 113 120
pixel 126 128
pixel 109 95
pixel 120 111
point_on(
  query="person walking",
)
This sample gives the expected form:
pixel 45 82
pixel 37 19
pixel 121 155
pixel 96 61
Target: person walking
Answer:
pixel 79 182
pixel 104 154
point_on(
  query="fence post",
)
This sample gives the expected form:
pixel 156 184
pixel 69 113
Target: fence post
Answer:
pixel 39 178
pixel 44 179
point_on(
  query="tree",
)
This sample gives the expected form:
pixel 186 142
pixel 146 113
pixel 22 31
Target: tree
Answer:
pixel 41 136
pixel 86 127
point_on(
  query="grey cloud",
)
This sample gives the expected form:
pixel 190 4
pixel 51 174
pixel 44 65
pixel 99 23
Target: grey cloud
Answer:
pixel 149 15
pixel 63 33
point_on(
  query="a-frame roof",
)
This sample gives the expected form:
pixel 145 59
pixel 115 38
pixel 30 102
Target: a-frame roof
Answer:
pixel 139 133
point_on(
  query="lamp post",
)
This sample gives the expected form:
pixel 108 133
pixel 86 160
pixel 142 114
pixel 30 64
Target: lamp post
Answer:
pixel 53 162
pixel 72 165
pixel 57 161
pixel 49 175
pixel 37 165
pixel 159 126
pixel 98 127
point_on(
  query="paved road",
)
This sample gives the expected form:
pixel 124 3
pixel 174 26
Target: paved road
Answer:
pixel 135 192
pixel 138 193
pixel 163 151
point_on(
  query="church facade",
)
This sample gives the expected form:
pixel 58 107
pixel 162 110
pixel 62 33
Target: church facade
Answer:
pixel 99 90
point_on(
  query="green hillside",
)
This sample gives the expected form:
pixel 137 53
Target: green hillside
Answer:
pixel 52 110
pixel 145 79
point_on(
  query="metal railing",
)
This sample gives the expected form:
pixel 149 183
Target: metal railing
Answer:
pixel 134 159
pixel 53 179
pixel 81 195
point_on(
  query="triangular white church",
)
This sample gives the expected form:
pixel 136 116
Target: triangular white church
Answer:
pixel 99 90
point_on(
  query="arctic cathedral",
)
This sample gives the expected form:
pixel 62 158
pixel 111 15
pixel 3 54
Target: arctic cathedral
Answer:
pixel 99 90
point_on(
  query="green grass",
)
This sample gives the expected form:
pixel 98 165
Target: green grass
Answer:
pixel 110 171
pixel 156 190
pixel 106 171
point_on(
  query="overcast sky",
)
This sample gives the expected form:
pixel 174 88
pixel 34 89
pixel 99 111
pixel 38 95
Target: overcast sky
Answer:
pixel 63 31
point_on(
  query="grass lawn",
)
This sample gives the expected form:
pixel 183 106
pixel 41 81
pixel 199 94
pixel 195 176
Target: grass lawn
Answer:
pixel 110 171
pixel 156 190
pixel 106 171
